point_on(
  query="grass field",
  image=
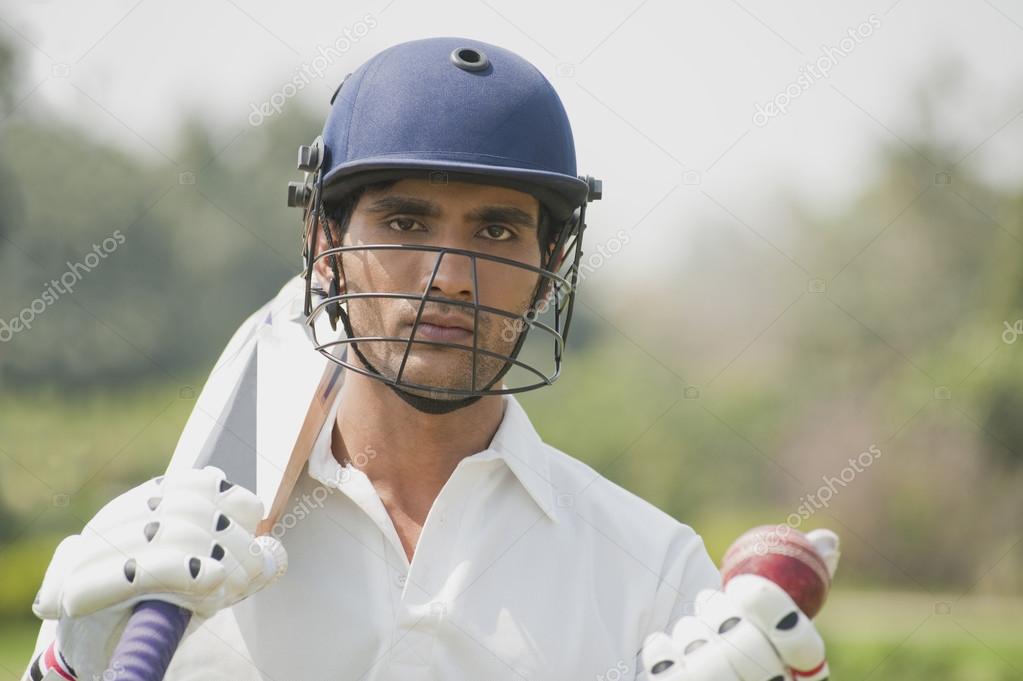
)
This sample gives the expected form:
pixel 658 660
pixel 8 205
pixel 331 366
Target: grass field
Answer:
pixel 911 637
pixel 871 635
pixel 16 641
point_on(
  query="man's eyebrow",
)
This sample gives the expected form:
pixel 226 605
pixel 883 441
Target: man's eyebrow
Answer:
pixel 405 204
pixel 410 205
pixel 506 214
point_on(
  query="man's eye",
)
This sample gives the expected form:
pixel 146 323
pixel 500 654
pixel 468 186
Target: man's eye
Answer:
pixel 405 225
pixel 497 232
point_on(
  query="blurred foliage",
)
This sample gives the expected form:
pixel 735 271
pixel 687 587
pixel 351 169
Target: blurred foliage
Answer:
pixel 10 198
pixel 737 389
pixel 213 240
pixel 23 572
pixel 745 387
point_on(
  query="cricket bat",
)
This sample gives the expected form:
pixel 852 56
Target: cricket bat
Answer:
pixel 245 423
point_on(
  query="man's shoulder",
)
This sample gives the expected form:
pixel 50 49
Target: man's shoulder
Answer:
pixel 583 493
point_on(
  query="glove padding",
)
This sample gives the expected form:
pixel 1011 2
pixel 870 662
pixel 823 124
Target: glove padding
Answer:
pixel 751 631
pixel 186 538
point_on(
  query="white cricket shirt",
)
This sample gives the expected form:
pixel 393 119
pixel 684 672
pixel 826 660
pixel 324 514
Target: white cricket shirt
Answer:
pixel 530 566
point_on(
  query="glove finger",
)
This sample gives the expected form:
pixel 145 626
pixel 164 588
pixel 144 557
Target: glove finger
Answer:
pixel 746 648
pixel 690 633
pixel 706 599
pixel 714 608
pixel 205 480
pixel 198 580
pixel 116 580
pixel 236 503
pixel 132 505
pixel 240 580
pixel 192 506
pixel 99 545
pixel 774 612
pixel 241 506
pixel 750 654
pixel 709 662
pixel 239 552
pixel 828 546
pixel 660 659
pixel 821 673
pixel 47 602
pixel 130 538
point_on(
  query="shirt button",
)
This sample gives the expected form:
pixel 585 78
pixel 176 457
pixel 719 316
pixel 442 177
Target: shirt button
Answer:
pixel 400 581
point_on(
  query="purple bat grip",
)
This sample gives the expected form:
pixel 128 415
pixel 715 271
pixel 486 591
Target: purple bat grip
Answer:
pixel 148 642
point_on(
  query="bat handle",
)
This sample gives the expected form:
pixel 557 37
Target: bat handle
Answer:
pixel 148 642
pixel 155 628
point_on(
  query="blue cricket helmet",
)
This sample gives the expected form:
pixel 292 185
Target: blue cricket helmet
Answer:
pixel 448 109
pixel 457 109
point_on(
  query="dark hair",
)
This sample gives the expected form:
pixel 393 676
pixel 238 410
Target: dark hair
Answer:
pixel 339 213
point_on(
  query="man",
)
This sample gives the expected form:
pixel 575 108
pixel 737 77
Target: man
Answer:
pixel 432 534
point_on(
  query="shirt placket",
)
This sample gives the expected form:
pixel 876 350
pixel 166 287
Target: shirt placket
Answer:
pixel 424 604
pixel 420 606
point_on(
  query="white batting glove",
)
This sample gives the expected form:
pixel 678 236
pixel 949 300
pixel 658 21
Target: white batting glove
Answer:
pixel 751 631
pixel 186 538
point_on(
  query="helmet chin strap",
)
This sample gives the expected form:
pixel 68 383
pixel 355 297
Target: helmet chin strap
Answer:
pixel 430 405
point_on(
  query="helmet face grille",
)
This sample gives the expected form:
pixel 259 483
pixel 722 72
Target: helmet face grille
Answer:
pixel 495 351
pixel 444 110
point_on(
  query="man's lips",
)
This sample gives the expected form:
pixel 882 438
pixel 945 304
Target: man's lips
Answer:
pixel 443 329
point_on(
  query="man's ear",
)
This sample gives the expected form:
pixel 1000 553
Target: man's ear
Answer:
pixel 559 259
pixel 321 268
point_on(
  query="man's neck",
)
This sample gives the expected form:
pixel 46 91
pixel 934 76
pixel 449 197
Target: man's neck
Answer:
pixel 406 454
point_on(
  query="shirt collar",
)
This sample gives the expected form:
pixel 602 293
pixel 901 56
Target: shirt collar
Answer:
pixel 516 442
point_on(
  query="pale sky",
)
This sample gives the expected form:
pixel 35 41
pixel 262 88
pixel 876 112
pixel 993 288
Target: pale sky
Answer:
pixel 661 94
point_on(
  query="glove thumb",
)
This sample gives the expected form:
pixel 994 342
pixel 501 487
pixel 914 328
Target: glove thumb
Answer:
pixel 47 605
pixel 827 545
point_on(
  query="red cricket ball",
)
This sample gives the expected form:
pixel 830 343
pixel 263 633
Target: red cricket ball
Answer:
pixel 785 556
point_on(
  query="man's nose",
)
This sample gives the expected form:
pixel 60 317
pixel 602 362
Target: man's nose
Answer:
pixel 454 276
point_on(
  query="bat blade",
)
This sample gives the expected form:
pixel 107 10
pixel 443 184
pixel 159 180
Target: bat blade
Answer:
pixel 276 485
pixel 258 418
pixel 249 422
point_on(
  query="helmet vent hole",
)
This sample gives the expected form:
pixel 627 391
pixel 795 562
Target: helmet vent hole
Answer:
pixel 469 59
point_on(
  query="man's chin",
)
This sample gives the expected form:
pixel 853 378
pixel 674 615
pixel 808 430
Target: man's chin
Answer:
pixel 436 384
pixel 433 394
pixel 437 370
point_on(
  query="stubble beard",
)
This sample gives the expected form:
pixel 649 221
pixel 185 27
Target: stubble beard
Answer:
pixel 434 368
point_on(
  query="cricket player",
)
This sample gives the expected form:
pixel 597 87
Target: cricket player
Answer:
pixel 431 534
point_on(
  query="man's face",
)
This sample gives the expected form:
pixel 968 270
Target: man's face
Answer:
pixel 485 219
